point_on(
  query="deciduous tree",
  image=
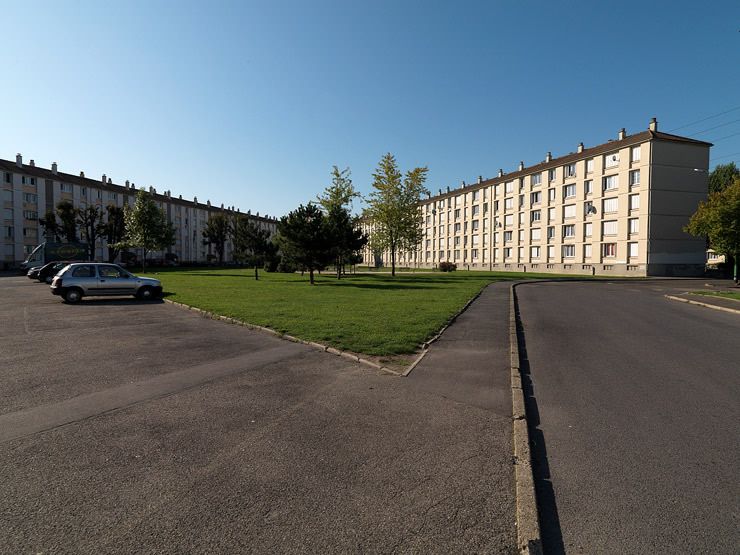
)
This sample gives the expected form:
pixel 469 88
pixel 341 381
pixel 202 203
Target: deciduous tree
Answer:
pixel 722 176
pixel 115 229
pixel 90 221
pixel 303 238
pixel 216 233
pixel 251 243
pixel 147 227
pixel 68 217
pixel 52 230
pixel 394 208
pixel 718 219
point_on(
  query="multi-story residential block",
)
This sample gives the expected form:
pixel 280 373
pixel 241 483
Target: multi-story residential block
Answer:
pixel 29 191
pixel 617 209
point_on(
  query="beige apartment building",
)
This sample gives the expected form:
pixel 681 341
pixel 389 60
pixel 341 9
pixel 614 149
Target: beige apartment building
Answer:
pixel 28 191
pixel 614 209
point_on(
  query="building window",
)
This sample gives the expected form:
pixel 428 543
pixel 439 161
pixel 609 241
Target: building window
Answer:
pixel 569 251
pixel 507 252
pixel 611 160
pixel 569 170
pixel 476 211
pixel 569 191
pixel 457 214
pixel 9 232
pixel 534 198
pixel 536 179
pixel 588 208
pixel 23 180
pixel 569 230
pixel 29 197
pixel 551 175
pixel 551 232
pixel 632 249
pixel 457 241
pixel 7 213
pixel 610 227
pixel 474 254
pixel 588 186
pixel 551 252
pixel 508 203
pixel 457 228
pixel 569 211
pixel 536 215
pixel 551 215
pixel 586 251
pixel 611 205
pixel 113 196
pixel 65 187
pixel 508 235
pixel 30 233
pixel 476 196
pixel 590 165
pixel 30 215
pixel 635 154
pixel 609 250
pixel 521 253
pixel 521 201
pixel 634 178
pixel 611 182
pixel 634 202
pixel 8 178
pixel 536 234
pixel 551 195
pixel 534 252
pixel 475 225
pixel 509 187
pixel 588 228
pixel 521 219
pixel 634 224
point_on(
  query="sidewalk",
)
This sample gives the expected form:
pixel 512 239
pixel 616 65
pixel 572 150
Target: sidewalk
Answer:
pixel 469 364
pixel 709 301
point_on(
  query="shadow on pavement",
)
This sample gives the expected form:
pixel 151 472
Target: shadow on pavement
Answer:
pixel 547 508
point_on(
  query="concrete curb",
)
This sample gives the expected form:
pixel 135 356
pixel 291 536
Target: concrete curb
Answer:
pixel 425 346
pixel 706 305
pixel 318 346
pixel 527 521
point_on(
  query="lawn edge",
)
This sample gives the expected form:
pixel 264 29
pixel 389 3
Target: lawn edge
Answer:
pixel 705 305
pixel 313 344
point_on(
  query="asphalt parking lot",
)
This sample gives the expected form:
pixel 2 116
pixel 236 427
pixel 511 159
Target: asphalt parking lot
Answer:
pixel 129 426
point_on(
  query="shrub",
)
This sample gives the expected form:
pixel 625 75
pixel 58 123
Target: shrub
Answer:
pixel 447 266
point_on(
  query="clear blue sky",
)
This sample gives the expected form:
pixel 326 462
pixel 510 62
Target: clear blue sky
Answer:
pixel 251 103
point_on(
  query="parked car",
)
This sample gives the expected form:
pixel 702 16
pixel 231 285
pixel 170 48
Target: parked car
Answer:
pixel 46 273
pixel 33 273
pixel 86 279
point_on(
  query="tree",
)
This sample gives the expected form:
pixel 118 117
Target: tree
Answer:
pixel 722 176
pixel 344 229
pixel 68 216
pixel 216 233
pixel 718 219
pixel 303 238
pixel 394 208
pixel 115 230
pixel 251 243
pixel 147 227
pixel 51 227
pixel 91 224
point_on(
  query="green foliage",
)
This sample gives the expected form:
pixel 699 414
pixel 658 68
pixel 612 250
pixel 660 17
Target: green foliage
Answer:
pixel 722 177
pixel 147 227
pixel 90 220
pixel 303 238
pixel 718 219
pixel 394 208
pixel 68 217
pixel 252 244
pixel 115 229
pixel 216 233
pixel 52 229
pixel 447 266
pixel 340 193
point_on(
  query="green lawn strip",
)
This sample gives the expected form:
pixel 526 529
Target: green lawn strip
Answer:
pixel 723 294
pixel 375 314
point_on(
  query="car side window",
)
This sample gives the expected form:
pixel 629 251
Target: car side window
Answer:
pixel 84 271
pixel 109 272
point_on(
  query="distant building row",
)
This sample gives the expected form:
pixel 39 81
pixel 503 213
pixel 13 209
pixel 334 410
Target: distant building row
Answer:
pixel 29 191
pixel 616 209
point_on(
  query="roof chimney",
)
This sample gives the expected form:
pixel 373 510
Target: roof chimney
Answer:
pixel 54 168
pixel 500 172
pixel 521 165
pixel 440 191
pixel 480 179
pixel 195 200
pixel 462 184
pixel 19 160
pixel 103 178
pixel 448 188
pixel 127 184
pixel 110 181
pixel 82 174
pixel 32 163
pixel 622 134
pixel 653 125
pixel 548 157
pixel 208 202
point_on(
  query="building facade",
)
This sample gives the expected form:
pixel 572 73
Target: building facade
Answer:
pixel 29 191
pixel 618 208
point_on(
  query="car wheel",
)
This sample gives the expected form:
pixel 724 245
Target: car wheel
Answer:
pixel 73 296
pixel 145 294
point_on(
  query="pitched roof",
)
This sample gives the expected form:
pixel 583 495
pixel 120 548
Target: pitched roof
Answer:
pixel 629 140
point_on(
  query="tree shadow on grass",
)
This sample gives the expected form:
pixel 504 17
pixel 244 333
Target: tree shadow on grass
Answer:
pixel 386 286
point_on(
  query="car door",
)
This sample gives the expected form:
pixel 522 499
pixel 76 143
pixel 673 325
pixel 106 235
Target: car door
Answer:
pixel 84 277
pixel 113 280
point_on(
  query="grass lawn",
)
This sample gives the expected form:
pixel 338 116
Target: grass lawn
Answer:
pixel 726 294
pixel 375 314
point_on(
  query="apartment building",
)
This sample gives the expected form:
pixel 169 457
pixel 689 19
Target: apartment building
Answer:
pixel 614 209
pixel 29 191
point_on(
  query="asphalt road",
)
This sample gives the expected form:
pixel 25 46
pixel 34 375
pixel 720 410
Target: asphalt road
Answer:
pixel 636 400
pixel 141 427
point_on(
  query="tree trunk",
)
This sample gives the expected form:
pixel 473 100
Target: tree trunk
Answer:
pixel 143 260
pixel 256 275
pixel 339 267
pixel 310 275
pixel 393 262
pixel 734 276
